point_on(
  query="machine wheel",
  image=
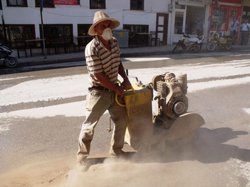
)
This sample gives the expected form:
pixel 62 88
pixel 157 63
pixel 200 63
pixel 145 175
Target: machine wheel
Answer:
pixel 176 48
pixel 144 148
pixel 228 46
pixel 196 48
pixel 210 46
pixel 11 62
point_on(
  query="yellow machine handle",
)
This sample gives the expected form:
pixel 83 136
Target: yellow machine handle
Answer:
pixel 116 96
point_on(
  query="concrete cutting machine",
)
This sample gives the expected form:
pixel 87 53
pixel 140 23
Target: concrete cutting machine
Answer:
pixel 171 121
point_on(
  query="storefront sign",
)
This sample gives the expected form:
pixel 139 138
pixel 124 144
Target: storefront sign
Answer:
pixel 65 2
pixel 192 1
pixel 231 1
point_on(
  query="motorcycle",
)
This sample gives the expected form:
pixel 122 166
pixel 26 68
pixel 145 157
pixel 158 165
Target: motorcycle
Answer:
pixel 6 58
pixel 219 41
pixel 186 42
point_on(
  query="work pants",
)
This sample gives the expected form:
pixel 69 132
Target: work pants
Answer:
pixel 199 32
pixel 244 37
pixel 233 35
pixel 97 102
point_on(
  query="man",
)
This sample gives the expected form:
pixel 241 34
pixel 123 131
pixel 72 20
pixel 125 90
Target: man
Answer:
pixel 103 62
pixel 244 32
pixel 233 29
pixel 199 27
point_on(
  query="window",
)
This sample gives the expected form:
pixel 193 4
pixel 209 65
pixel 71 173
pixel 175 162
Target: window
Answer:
pixel 46 3
pixel 83 38
pixel 19 32
pixel 97 4
pixel 191 18
pixel 83 29
pixel 137 35
pixel 219 18
pixel 20 3
pixel 179 22
pixel 57 32
pixel 246 13
pixel 136 4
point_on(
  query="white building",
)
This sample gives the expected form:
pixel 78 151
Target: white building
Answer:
pixel 70 19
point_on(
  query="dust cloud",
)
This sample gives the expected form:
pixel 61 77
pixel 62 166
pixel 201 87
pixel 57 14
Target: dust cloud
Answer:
pixel 147 171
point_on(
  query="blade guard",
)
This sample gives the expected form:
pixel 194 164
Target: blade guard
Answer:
pixel 183 125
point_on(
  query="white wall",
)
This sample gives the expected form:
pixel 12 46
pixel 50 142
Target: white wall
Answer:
pixel 81 14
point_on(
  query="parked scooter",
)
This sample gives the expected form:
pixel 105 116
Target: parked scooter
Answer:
pixel 219 41
pixel 6 58
pixel 186 42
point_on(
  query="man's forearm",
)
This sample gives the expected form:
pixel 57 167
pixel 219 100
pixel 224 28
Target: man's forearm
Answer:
pixel 122 72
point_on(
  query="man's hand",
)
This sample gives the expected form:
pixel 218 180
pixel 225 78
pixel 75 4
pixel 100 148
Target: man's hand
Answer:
pixel 126 84
pixel 119 91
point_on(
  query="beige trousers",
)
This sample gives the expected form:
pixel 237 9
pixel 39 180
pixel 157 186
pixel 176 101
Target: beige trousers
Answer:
pixel 97 102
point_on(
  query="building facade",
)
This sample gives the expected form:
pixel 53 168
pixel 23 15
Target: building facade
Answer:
pixel 72 18
pixel 221 14
pixel 163 20
pixel 185 17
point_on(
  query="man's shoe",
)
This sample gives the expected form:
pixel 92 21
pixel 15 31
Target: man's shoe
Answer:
pixel 116 153
pixel 81 166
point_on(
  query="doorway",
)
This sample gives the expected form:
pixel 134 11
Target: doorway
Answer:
pixel 161 28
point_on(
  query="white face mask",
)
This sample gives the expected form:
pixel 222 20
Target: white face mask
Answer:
pixel 107 34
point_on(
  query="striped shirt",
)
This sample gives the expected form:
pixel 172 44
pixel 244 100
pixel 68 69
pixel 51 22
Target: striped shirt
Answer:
pixel 99 59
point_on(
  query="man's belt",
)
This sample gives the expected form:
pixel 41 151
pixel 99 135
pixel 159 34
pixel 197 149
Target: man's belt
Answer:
pixel 101 88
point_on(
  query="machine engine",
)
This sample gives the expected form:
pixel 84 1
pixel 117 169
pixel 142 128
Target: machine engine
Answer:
pixel 171 97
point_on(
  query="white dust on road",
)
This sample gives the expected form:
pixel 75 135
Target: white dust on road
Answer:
pixel 71 86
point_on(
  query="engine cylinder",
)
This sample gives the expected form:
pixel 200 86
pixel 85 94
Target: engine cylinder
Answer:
pixel 182 78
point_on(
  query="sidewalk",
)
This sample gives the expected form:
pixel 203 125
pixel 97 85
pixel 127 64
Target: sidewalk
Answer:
pixel 125 52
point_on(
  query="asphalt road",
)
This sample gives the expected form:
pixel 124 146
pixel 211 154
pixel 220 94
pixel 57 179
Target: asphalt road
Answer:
pixel 42 111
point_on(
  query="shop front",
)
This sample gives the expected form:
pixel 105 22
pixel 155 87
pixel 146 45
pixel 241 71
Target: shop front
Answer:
pixel 246 14
pixel 221 14
pixel 186 15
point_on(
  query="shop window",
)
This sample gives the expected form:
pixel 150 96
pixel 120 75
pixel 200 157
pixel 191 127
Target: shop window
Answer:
pixel 97 4
pixel 219 18
pixel 19 32
pixel 58 32
pixel 83 38
pixel 137 34
pixel 179 22
pixel 46 3
pixel 19 3
pixel 136 4
pixel 246 13
pixel 83 29
pixel 193 13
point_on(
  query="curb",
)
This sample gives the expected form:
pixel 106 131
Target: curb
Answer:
pixel 70 57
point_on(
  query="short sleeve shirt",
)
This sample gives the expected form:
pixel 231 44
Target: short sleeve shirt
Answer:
pixel 99 59
pixel 245 26
pixel 199 25
pixel 234 25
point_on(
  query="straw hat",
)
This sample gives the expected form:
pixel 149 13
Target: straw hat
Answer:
pixel 99 17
